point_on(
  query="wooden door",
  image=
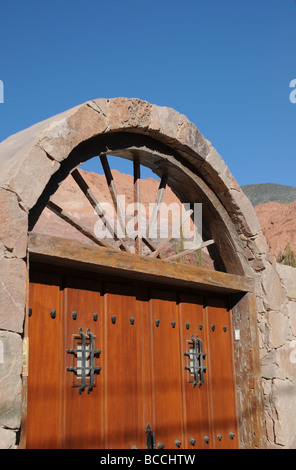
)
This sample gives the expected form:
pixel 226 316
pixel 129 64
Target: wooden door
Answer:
pixel 44 404
pixel 82 408
pixel 123 368
pixel 196 398
pixel 143 349
pixel 221 379
pixel 166 369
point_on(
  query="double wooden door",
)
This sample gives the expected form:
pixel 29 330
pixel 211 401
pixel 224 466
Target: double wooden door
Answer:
pixel 122 365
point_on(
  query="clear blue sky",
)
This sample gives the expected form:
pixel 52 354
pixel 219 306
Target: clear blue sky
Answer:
pixel 225 64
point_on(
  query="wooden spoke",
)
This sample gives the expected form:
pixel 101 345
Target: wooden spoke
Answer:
pixel 113 192
pixel 150 244
pixel 137 211
pixel 189 251
pixel 97 206
pixel 159 198
pixel 77 224
pixel 165 241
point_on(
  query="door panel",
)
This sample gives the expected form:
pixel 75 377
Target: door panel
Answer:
pixel 123 364
pixel 166 369
pixel 196 399
pixel 43 409
pixel 222 374
pixel 84 411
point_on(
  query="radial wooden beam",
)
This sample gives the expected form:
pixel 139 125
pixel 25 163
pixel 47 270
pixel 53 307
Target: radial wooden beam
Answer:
pixel 189 250
pixel 78 178
pixel 165 241
pixel 159 198
pixel 76 223
pixel 137 203
pixel 113 192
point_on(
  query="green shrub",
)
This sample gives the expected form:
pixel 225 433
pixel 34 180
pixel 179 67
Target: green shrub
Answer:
pixel 289 257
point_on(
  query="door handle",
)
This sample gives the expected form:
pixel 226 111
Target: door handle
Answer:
pixel 150 441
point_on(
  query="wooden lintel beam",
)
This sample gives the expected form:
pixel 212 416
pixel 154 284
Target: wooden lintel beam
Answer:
pixel 71 252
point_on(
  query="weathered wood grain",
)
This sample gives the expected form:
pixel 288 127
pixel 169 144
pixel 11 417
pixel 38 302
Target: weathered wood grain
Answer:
pixel 69 252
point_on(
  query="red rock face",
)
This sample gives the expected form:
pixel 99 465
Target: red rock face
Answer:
pixel 278 222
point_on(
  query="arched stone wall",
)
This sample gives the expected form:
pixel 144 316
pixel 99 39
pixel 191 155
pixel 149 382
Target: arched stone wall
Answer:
pixel 35 161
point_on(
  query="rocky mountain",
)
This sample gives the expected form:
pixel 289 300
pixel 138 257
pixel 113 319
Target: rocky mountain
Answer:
pixel 275 206
pixel 269 192
pixel 278 222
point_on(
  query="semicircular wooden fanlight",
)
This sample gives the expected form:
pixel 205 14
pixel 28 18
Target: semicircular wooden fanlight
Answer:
pixel 140 243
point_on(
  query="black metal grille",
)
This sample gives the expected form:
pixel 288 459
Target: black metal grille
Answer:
pixel 87 353
pixel 196 357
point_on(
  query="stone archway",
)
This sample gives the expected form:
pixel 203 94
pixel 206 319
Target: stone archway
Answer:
pixel 35 161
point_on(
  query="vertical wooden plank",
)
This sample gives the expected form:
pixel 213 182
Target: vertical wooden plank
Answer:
pixel 147 373
pixel 166 369
pixel 221 372
pixel 44 365
pixel 196 399
pixel 83 412
pixel 123 368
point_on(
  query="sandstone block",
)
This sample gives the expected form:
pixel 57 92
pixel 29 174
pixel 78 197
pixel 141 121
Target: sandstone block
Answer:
pixel 291 312
pixel 220 174
pixel 286 357
pixel 69 130
pixel 269 366
pixel 258 244
pixel 190 136
pixel 10 379
pixel 288 277
pixel 284 400
pixel 30 177
pixel 278 325
pixel 241 211
pixel 269 428
pixel 7 439
pixel 12 294
pixel 272 286
pixel 14 224
pixel 171 121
